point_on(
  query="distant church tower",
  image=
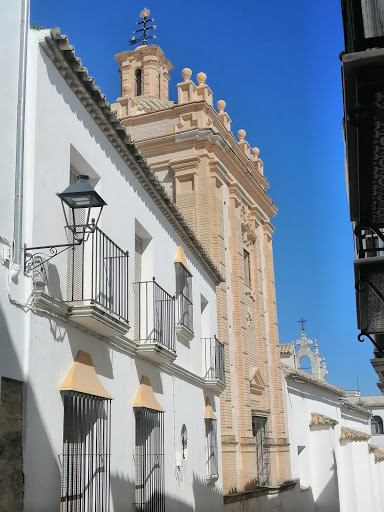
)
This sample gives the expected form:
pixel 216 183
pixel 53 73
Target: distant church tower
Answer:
pixel 318 367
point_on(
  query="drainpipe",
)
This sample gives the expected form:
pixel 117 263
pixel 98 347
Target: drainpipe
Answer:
pixel 19 172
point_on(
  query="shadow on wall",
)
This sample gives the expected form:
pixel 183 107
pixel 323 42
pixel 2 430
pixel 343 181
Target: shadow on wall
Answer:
pixel 21 422
pixel 206 497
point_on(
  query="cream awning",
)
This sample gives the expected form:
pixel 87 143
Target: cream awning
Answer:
pixel 180 258
pixel 82 377
pixel 145 396
pixel 209 413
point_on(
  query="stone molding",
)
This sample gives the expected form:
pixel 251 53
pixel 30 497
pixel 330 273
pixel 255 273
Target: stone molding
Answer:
pixel 318 419
pixel 351 434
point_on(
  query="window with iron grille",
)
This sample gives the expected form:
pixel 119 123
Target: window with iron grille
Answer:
pixel 85 461
pixel 184 296
pixel 212 462
pixel 262 453
pixel 149 460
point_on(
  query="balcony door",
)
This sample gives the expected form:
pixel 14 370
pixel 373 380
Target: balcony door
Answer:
pixel 138 266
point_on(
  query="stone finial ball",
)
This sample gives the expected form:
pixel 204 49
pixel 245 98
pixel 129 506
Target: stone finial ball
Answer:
pixel 255 152
pixel 186 74
pixel 201 78
pixel 241 134
pixel 221 106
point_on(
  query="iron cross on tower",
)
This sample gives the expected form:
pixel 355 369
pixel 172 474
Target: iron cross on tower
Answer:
pixel 302 322
pixel 144 15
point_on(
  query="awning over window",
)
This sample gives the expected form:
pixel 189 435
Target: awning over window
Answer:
pixel 180 258
pixel 209 413
pixel 82 377
pixel 145 396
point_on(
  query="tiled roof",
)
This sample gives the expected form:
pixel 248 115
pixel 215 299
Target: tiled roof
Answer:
pixel 378 454
pixel 320 419
pixel 294 372
pixel 150 104
pixel 286 348
pixel 76 75
pixel 368 401
pixel 351 434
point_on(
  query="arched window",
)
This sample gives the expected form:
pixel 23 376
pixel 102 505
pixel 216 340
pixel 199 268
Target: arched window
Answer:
pixel 376 425
pixel 305 364
pixel 138 82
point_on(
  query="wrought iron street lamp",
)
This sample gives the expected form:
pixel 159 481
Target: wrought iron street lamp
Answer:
pixel 80 201
pixel 82 207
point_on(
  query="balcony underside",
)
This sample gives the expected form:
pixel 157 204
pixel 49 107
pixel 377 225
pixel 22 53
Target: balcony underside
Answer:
pixel 184 334
pixel 93 317
pixel 156 352
pixel 215 384
pixel 363 85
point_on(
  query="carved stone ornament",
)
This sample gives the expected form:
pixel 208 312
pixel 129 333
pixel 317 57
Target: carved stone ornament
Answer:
pixel 251 295
pixel 248 233
pixel 318 419
pixel 249 318
pixel 256 382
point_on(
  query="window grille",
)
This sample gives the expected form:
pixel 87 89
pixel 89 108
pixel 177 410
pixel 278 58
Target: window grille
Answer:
pixel 184 297
pixel 212 463
pixel 85 461
pixel 149 460
pixel 262 453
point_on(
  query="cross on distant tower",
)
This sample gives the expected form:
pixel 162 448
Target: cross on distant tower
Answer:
pixel 302 322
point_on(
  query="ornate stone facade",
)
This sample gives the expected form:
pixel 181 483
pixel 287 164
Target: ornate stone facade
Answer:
pixel 219 186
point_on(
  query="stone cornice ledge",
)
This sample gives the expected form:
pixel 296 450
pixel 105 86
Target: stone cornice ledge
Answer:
pixel 318 419
pixel 248 495
pixel 350 434
pixel 71 68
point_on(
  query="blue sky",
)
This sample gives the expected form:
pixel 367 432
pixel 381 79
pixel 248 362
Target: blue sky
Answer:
pixel 276 65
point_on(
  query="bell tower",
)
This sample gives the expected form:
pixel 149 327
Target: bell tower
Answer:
pixel 144 72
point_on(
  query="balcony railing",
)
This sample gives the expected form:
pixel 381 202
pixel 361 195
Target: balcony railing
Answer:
pixel 155 314
pixel 213 354
pixel 98 273
pixel 369 242
pixel 184 311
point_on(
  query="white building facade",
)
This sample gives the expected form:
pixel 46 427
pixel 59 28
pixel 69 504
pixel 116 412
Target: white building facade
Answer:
pixel 335 460
pixel 110 367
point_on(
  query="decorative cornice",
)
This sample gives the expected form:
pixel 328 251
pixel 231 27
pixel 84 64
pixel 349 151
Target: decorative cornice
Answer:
pixel 351 434
pixel 378 454
pixel 76 75
pixel 318 419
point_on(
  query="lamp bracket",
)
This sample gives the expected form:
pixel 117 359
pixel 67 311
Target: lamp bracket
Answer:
pixel 54 250
pixel 360 338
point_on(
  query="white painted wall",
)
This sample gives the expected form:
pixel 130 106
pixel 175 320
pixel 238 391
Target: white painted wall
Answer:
pixel 40 348
pixel 331 475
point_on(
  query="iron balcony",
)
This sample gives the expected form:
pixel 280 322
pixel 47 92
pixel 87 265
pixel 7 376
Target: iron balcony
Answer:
pixel 213 363
pixel 154 322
